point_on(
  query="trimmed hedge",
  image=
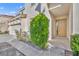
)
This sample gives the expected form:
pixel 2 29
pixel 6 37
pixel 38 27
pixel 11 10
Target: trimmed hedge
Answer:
pixel 39 30
pixel 75 44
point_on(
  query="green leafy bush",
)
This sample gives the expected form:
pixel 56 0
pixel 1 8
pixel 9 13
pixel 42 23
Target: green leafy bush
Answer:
pixel 22 36
pixel 39 30
pixel 5 32
pixel 18 34
pixel 75 44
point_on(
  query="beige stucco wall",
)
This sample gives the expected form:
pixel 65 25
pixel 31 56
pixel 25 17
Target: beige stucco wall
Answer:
pixel 4 23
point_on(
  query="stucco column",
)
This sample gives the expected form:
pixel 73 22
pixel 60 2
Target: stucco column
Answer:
pixel 23 22
pixel 75 18
pixel 70 22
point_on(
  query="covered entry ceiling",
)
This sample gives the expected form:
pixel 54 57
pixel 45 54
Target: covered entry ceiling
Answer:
pixel 59 9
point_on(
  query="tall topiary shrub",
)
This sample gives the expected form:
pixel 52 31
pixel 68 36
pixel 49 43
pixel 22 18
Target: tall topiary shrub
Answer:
pixel 39 30
pixel 75 44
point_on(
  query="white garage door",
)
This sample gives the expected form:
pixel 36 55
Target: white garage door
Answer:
pixel 13 28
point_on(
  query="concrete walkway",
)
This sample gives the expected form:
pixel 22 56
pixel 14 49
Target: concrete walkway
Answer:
pixel 6 38
pixel 29 50
pixel 24 48
pixel 61 42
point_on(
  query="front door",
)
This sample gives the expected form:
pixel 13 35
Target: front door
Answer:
pixel 61 28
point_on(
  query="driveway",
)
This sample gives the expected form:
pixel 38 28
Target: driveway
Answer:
pixel 6 38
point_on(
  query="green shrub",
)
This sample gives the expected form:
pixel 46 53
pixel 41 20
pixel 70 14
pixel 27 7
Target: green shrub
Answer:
pixel 25 37
pixel 75 44
pixel 39 30
pixel 5 32
pixel 18 34
pixel 22 36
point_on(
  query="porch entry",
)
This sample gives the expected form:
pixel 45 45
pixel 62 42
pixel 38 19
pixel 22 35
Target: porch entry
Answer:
pixel 61 28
